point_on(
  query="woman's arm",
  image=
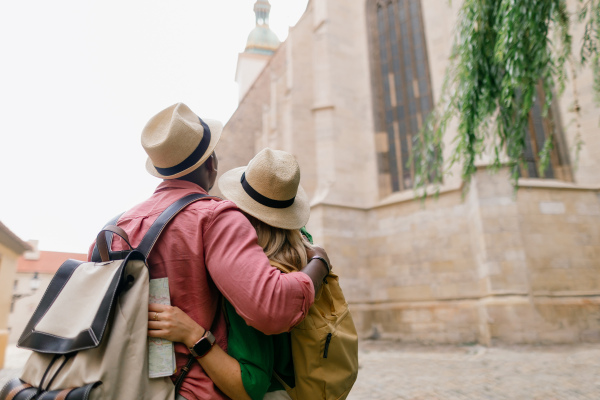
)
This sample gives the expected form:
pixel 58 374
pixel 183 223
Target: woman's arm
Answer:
pixel 172 324
pixel 225 372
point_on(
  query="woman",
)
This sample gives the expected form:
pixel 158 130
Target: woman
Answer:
pixel 268 191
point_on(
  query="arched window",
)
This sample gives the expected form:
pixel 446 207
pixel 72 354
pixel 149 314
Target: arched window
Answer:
pixel 401 84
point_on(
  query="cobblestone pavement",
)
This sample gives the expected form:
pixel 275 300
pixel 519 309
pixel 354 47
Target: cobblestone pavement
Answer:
pixel 394 371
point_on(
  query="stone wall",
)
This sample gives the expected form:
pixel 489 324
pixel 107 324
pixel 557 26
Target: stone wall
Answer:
pixel 423 282
pixel 561 235
pixel 495 266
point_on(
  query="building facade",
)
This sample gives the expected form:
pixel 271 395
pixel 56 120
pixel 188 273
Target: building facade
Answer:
pixel 346 93
pixel 11 247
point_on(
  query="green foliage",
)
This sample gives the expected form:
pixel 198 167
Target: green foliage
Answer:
pixel 589 14
pixel 501 54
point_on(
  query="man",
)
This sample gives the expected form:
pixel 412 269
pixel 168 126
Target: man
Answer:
pixel 210 247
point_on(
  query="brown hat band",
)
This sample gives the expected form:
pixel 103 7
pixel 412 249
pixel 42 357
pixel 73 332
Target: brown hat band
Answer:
pixel 265 201
pixel 193 158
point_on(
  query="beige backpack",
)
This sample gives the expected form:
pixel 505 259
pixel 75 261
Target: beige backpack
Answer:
pixel 324 346
pixel 89 332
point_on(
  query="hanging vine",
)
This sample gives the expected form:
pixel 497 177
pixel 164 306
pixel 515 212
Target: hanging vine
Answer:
pixel 589 15
pixel 502 51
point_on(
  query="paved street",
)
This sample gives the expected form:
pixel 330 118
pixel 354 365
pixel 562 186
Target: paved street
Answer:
pixel 408 372
pixel 395 371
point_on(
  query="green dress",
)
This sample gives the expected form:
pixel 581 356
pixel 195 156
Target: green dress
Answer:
pixel 260 355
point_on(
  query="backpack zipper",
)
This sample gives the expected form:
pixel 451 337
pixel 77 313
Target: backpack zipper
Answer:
pixel 327 341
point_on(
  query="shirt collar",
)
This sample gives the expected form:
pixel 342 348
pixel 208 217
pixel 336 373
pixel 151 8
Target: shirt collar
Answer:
pixel 169 184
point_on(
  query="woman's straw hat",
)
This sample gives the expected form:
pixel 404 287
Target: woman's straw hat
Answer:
pixel 269 189
pixel 177 141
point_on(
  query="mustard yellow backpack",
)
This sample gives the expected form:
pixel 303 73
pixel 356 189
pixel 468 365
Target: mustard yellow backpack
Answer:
pixel 324 346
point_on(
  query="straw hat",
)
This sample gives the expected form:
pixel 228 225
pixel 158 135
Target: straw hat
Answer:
pixel 269 189
pixel 177 141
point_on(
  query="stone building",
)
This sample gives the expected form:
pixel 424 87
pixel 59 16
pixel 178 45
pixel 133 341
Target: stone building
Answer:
pixel 11 247
pixel 345 93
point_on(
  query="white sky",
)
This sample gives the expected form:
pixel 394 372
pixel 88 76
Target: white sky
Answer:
pixel 79 80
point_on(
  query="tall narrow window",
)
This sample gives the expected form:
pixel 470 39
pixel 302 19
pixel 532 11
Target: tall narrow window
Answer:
pixel 402 97
pixel 540 129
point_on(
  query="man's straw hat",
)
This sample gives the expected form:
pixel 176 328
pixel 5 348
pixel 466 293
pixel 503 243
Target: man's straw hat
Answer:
pixel 177 141
pixel 269 189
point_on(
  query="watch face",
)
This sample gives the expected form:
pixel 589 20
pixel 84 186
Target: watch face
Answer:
pixel 202 347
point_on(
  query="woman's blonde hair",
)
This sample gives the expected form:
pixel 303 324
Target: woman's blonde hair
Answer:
pixel 287 247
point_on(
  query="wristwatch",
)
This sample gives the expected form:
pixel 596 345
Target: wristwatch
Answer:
pixel 203 345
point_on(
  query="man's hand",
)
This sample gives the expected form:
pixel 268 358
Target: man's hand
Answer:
pixel 318 251
pixel 316 269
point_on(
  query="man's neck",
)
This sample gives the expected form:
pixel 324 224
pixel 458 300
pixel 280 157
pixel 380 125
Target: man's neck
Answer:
pixel 195 182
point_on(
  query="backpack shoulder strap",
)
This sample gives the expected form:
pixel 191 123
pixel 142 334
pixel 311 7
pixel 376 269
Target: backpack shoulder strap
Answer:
pixel 164 218
pixel 154 231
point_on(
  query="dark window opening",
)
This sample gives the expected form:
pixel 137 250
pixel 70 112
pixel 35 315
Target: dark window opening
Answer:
pixel 539 130
pixel 401 85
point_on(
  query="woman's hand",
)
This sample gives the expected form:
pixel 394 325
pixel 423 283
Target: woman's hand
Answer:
pixel 170 323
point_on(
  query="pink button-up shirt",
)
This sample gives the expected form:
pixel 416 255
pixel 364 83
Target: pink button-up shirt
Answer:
pixel 211 248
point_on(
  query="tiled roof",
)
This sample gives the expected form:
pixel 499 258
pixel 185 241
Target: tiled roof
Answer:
pixel 48 263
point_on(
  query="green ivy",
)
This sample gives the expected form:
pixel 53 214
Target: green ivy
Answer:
pixel 589 14
pixel 503 50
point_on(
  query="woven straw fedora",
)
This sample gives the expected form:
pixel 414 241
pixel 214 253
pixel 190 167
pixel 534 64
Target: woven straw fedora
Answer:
pixel 269 189
pixel 177 141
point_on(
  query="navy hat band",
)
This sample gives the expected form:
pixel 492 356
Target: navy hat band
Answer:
pixel 265 201
pixel 193 158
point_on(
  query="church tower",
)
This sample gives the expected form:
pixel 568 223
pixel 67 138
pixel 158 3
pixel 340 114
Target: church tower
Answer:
pixel 260 46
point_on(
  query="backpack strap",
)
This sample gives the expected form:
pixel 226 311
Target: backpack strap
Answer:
pixel 164 218
pixel 150 239
pixel 96 253
pixel 155 230
pixel 184 372
pixel 290 390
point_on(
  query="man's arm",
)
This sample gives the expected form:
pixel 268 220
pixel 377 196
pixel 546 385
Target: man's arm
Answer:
pixel 265 298
pixel 316 269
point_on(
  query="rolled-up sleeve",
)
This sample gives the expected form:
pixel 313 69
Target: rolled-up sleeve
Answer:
pixel 265 298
